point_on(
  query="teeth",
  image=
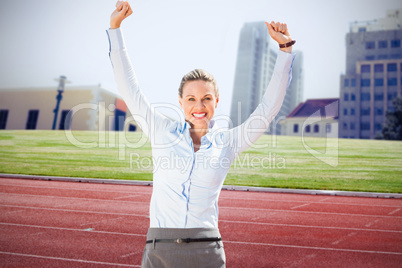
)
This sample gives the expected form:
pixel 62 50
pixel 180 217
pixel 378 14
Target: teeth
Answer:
pixel 199 115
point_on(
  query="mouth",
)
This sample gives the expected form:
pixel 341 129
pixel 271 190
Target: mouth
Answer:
pixel 199 115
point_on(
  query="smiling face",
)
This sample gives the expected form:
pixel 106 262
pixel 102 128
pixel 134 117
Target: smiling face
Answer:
pixel 198 102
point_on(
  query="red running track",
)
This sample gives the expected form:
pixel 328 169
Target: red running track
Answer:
pixel 67 224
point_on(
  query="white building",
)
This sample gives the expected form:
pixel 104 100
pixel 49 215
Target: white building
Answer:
pixel 80 108
pixel 313 118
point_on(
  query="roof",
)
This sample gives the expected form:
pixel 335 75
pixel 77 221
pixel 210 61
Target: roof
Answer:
pixel 326 107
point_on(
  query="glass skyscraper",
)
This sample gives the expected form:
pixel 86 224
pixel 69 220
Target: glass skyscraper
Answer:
pixel 256 59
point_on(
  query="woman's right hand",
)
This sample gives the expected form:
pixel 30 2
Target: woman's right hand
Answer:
pixel 122 11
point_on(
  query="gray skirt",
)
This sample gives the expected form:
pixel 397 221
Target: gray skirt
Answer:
pixel 194 254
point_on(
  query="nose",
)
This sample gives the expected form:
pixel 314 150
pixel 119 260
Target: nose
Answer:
pixel 199 104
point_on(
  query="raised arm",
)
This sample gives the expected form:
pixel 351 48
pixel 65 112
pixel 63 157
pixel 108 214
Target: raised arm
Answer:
pixel 243 136
pixel 144 114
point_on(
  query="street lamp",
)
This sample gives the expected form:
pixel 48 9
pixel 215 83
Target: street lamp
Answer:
pixel 62 81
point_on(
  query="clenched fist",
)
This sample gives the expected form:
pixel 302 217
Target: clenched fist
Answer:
pixel 279 32
pixel 122 11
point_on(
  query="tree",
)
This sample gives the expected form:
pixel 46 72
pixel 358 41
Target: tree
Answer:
pixel 393 121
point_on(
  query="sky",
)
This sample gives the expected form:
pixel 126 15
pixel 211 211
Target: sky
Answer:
pixel 43 39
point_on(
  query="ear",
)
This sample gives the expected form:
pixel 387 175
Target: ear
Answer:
pixel 181 102
pixel 217 100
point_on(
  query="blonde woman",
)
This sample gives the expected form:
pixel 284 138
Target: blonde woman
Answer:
pixel 184 204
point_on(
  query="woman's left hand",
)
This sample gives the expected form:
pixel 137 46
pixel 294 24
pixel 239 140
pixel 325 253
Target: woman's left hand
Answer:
pixel 280 33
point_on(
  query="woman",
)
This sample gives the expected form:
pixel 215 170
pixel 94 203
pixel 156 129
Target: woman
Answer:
pixel 184 211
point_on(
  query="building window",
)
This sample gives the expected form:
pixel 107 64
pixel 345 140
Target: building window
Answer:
pixel 370 45
pixel 346 83
pixel 365 82
pixel 353 82
pixel 396 43
pixel 379 82
pixel 366 68
pixel 352 126
pixel 32 119
pixel 316 128
pixel 382 57
pixel 391 67
pixel 378 111
pixel 362 29
pixel 328 128
pixel 391 96
pixel 395 56
pixel 345 126
pixel 346 97
pixel 365 96
pixel 365 126
pixel 392 81
pixel 379 96
pixel 365 111
pixel 65 119
pixel 379 68
pixel 119 117
pixel 378 126
pixel 132 128
pixel 353 97
pixel 308 128
pixel 345 111
pixel 382 44
pixel 352 111
pixel 370 57
pixel 295 128
pixel 3 118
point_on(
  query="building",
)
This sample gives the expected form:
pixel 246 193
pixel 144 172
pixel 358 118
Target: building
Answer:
pixel 256 58
pixel 373 75
pixel 81 108
pixel 313 118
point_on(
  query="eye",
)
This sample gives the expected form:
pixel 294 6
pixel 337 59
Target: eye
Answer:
pixel 208 98
pixel 191 99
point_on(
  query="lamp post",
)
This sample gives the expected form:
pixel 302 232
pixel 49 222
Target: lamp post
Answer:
pixel 62 81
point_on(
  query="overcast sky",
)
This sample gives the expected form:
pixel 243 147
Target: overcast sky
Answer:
pixel 43 39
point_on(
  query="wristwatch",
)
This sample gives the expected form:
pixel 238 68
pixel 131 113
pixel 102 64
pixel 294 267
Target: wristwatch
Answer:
pixel 288 44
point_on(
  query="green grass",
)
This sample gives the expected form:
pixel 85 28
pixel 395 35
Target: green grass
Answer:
pixel 361 165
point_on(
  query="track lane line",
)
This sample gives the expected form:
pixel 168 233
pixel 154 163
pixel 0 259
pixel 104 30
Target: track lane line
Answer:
pixel 66 259
pixel 299 206
pixel 77 198
pixel 114 200
pixel 315 248
pixel 395 211
pixel 149 193
pixel 78 211
pixel 259 209
pixel 311 226
pixel 313 212
pixel 228 221
pixel 225 241
pixel 70 229
pixel 81 189
pixel 313 202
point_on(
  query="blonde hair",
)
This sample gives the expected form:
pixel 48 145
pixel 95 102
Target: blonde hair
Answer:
pixel 198 74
